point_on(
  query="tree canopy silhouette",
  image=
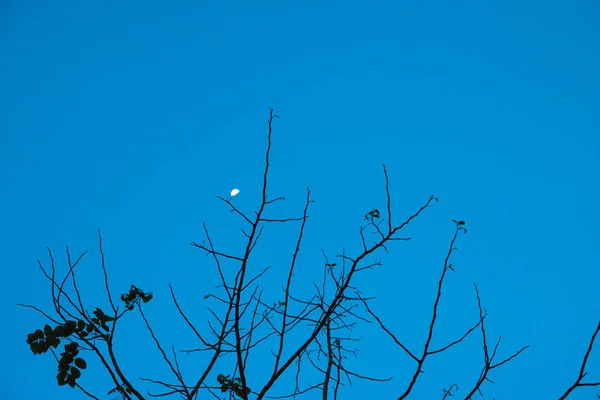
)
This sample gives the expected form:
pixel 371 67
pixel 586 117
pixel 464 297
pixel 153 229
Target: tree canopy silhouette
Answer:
pixel 289 336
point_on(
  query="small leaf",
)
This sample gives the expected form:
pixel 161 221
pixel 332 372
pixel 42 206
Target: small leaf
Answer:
pixel 59 331
pixel 62 378
pixel 64 362
pixel 35 348
pixel 75 372
pixel 71 347
pixel 80 362
pixel 54 342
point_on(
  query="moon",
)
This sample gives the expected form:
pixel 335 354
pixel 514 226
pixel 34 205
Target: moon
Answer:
pixel 234 192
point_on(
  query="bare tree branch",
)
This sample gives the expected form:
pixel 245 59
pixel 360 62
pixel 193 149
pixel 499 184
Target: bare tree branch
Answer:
pixel 582 372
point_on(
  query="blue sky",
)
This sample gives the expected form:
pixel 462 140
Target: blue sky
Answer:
pixel 131 117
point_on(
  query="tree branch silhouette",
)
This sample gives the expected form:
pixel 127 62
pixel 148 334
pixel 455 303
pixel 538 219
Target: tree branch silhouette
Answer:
pixel 302 332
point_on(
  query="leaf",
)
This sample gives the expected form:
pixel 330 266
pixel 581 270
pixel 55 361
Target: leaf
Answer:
pixel 75 372
pixel 54 342
pixel 61 377
pixel 71 347
pixel 65 330
pixel 60 331
pixel 80 362
pixel 35 348
pixel 101 316
pixel 64 362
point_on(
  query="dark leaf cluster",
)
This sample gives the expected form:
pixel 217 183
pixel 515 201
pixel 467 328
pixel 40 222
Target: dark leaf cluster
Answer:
pixel 69 365
pixel 134 296
pixel 374 213
pixel 234 385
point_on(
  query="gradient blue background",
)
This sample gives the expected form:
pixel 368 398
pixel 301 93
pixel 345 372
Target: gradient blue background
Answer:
pixel 132 116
